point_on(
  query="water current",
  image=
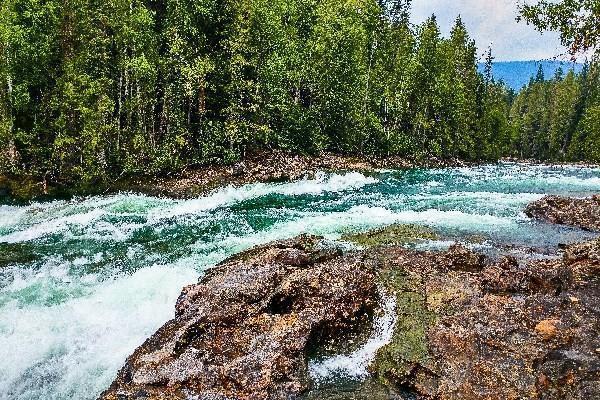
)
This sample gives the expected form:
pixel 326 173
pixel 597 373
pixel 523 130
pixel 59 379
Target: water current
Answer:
pixel 83 282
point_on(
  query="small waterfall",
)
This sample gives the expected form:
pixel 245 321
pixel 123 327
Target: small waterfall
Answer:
pixel 354 365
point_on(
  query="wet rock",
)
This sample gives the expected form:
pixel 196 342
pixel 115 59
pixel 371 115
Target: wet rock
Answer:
pixel 427 285
pixel 583 213
pixel 588 252
pixel 367 390
pixel 243 331
pixel 459 258
pixel 467 327
pixel 16 253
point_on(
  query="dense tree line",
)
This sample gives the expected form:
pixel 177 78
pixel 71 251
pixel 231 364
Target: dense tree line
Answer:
pixel 559 119
pixel 90 88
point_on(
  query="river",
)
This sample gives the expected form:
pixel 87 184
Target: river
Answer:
pixel 83 282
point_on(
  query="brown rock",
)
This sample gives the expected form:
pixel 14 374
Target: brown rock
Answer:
pixel 462 259
pixel 243 331
pixel 583 213
pixel 465 329
pixel 509 277
pixel 548 328
pixel 510 331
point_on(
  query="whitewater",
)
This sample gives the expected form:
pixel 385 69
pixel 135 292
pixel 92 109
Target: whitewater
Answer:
pixel 84 282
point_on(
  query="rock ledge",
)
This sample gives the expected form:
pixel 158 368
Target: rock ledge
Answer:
pixel 583 213
pixel 243 331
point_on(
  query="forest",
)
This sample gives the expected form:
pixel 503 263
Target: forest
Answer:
pixel 558 119
pixel 93 89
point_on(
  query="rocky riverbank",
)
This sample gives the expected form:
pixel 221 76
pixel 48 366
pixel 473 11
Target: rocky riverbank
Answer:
pixel 466 327
pixel 271 166
pixel 244 330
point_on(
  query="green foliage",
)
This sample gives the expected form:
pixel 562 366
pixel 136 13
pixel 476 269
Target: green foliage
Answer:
pixel 588 135
pixel 90 90
pixel 557 119
pixel 578 21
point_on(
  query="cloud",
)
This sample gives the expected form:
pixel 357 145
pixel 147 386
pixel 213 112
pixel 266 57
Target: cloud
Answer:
pixel 493 21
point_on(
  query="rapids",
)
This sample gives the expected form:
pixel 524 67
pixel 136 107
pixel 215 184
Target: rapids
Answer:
pixel 84 282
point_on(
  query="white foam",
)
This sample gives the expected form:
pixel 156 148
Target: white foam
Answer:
pixel 9 216
pixel 519 175
pixel 589 183
pixel 327 183
pixel 52 226
pixel 355 365
pixel 83 216
pixel 230 195
pixel 490 197
pixel 376 216
pixel 73 349
pixel 333 224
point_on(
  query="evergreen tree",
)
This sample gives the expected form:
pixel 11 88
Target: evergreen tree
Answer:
pixel 539 76
pixel 462 82
pixel 547 117
pixel 91 90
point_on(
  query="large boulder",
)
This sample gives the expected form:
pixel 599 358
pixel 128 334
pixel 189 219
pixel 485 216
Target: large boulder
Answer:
pixel 506 330
pixel 244 330
pixel 583 213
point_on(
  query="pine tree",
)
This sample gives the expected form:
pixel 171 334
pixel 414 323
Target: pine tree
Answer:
pixel 539 76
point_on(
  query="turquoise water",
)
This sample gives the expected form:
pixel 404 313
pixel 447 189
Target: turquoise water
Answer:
pixel 93 277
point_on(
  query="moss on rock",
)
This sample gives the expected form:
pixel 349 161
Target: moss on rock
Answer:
pixel 397 234
pixel 396 362
pixel 369 389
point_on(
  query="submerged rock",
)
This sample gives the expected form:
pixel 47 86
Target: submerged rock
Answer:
pixel 243 331
pixel 16 253
pixel 583 213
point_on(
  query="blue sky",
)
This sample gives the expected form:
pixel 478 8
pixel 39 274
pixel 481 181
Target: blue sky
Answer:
pixel 492 21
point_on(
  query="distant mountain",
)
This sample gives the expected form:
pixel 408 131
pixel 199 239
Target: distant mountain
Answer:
pixel 516 74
